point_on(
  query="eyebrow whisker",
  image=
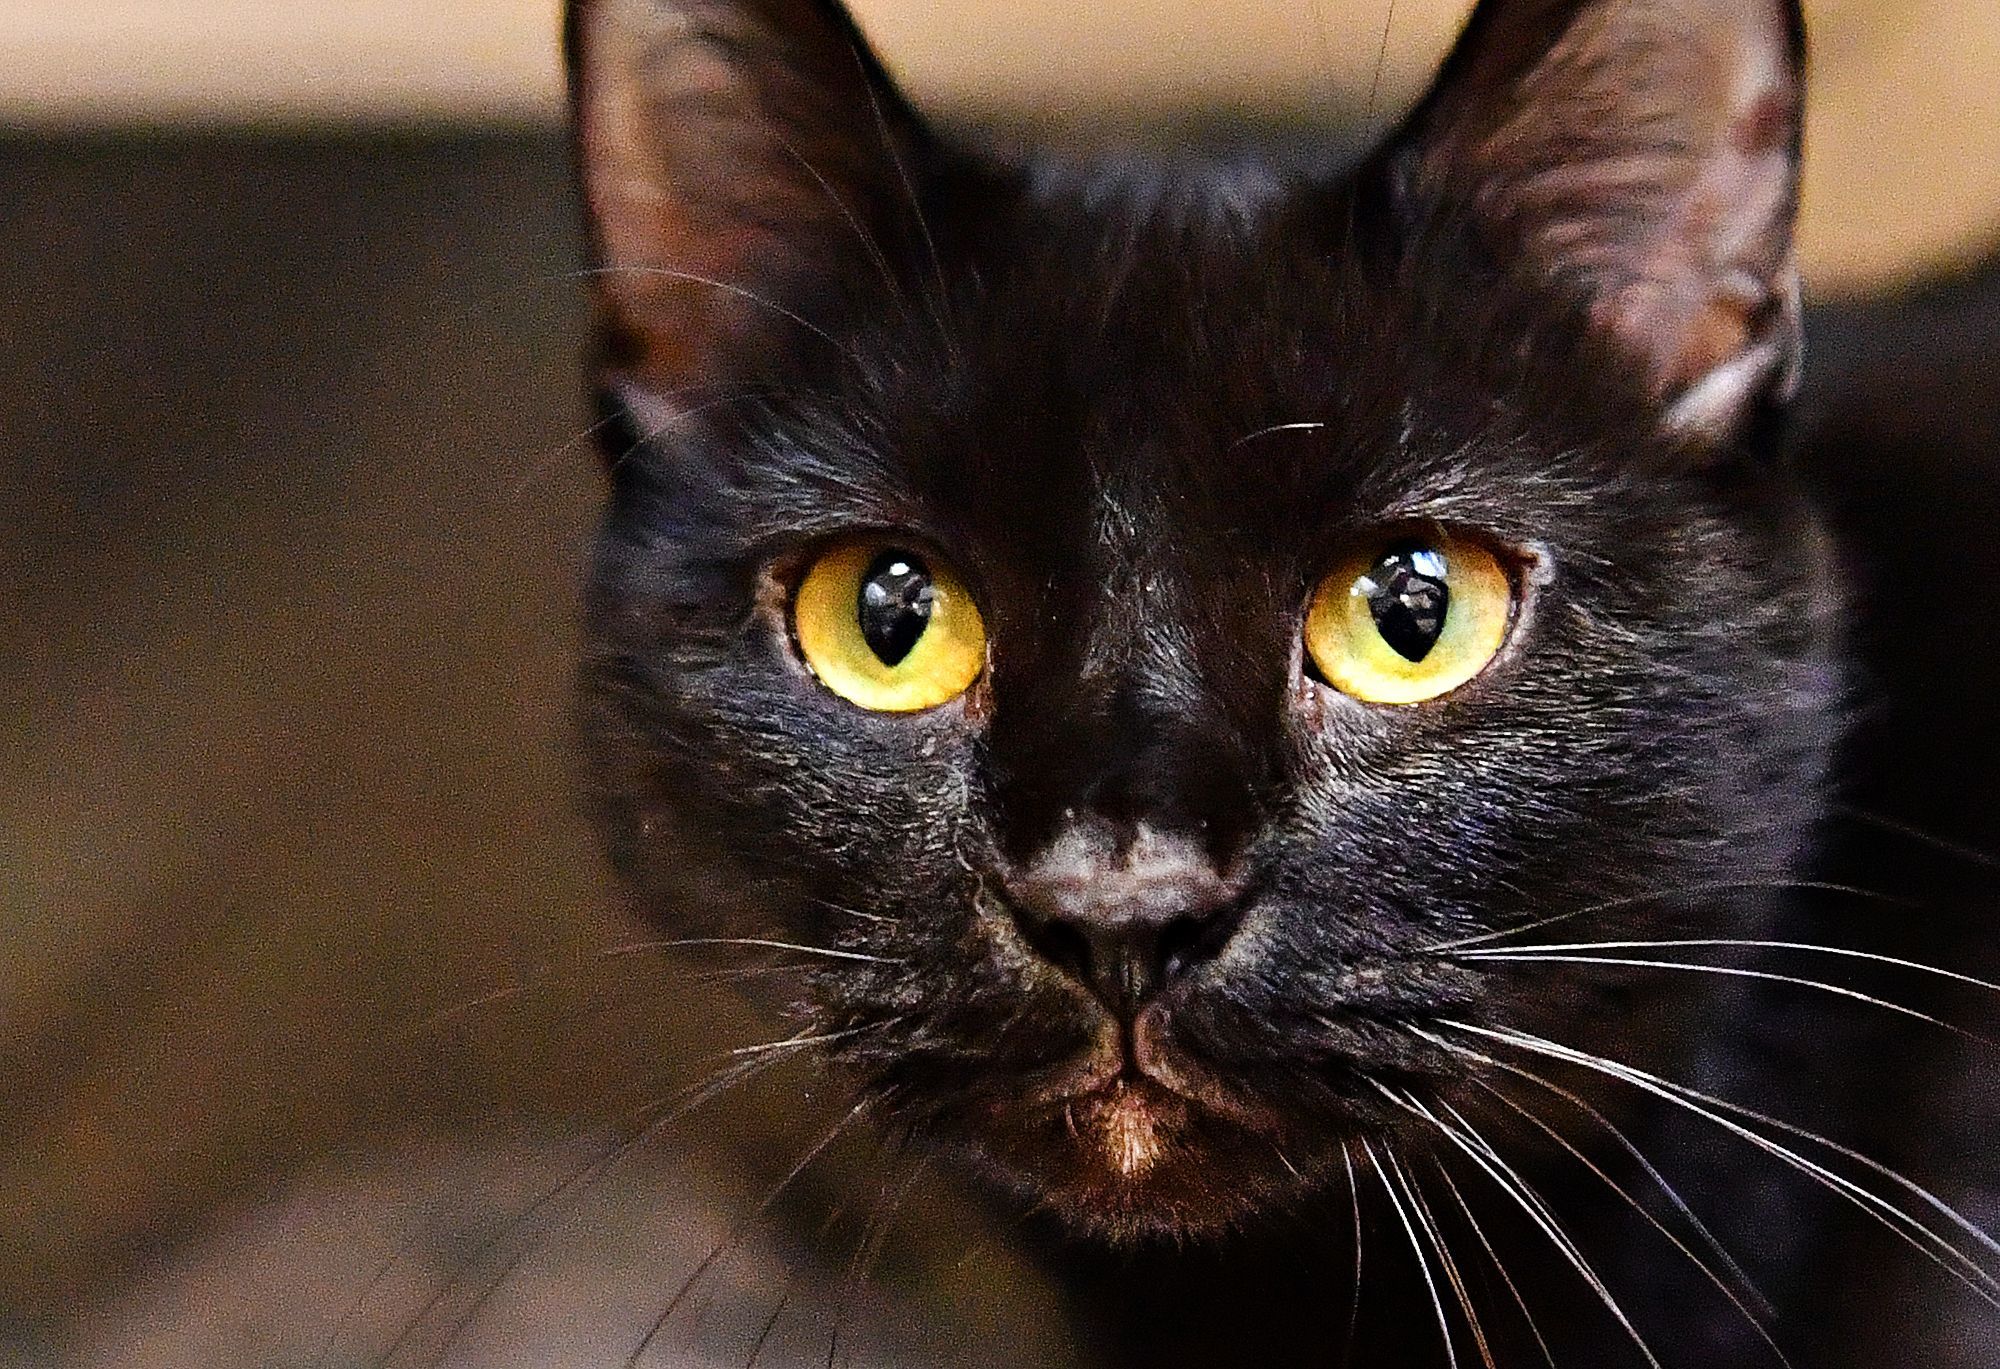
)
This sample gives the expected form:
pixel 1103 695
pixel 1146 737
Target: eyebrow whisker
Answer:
pixel 1277 428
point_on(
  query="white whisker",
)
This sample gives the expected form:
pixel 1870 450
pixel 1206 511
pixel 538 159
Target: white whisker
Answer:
pixel 1508 1179
pixel 1941 1251
pixel 1499 1265
pixel 846 911
pixel 1680 1204
pixel 750 942
pixel 1971 854
pixel 1727 972
pixel 1417 1249
pixel 727 288
pixel 742 1229
pixel 792 1043
pixel 1730 943
pixel 867 239
pixel 1451 1271
pixel 1665 895
pixel 1354 1191
pixel 1706 1269
pixel 559 1202
pixel 941 301
pixel 1277 428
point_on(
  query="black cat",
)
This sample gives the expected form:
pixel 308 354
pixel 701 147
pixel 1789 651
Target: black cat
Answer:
pixel 1288 709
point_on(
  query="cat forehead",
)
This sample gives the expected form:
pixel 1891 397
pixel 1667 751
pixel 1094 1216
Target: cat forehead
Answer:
pixel 1141 351
pixel 1145 474
pixel 1191 242
pixel 1131 360
pixel 1126 305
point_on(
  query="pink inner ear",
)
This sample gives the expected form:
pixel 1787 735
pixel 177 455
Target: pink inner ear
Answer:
pixel 668 165
pixel 643 221
pixel 1646 153
pixel 737 155
pixel 1699 290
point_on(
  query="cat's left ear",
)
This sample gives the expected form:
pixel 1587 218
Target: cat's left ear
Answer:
pixel 1646 154
pixel 749 173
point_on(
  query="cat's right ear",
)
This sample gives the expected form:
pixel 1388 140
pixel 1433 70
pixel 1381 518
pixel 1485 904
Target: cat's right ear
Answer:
pixel 748 169
pixel 1641 156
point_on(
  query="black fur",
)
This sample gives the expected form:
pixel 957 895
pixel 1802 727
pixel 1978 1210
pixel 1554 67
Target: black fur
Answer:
pixel 1143 408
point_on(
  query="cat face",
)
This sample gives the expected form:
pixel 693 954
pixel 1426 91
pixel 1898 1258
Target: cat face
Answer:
pixel 1136 622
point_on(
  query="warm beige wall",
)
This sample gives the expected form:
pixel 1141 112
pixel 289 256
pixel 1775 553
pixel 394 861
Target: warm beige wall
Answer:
pixel 103 59
pixel 107 61
pixel 1904 163
pixel 1906 132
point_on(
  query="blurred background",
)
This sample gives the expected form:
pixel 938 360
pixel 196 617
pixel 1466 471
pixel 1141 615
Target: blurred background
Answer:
pixel 293 493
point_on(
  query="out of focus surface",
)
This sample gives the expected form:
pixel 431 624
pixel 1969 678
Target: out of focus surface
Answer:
pixel 293 488
pixel 1905 168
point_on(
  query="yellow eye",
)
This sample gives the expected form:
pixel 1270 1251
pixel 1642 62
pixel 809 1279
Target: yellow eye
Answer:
pixel 887 628
pixel 1411 623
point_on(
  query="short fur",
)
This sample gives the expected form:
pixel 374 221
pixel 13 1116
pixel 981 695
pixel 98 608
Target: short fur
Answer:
pixel 1143 407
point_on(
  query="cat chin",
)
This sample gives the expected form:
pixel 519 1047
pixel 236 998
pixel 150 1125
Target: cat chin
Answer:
pixel 1138 1139
pixel 1134 1162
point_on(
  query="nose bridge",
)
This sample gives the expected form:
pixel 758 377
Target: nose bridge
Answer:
pixel 1165 760
pixel 1132 737
pixel 1126 779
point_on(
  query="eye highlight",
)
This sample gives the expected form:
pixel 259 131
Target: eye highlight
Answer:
pixel 888 628
pixel 1412 622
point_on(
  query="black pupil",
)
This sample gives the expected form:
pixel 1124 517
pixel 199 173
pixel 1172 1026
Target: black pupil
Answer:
pixel 896 599
pixel 1409 599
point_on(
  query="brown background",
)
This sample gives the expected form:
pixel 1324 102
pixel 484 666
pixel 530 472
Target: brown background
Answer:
pixel 1905 129
pixel 293 505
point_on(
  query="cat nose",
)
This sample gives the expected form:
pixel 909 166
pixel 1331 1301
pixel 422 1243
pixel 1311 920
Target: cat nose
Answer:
pixel 1124 919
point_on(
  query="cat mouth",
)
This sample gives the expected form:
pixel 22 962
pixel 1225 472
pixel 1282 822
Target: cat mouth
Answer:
pixel 1136 1108
pixel 1135 1077
pixel 1128 1124
pixel 1129 1153
pixel 1133 1139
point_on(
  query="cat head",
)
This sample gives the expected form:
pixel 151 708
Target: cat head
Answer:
pixel 1133 622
